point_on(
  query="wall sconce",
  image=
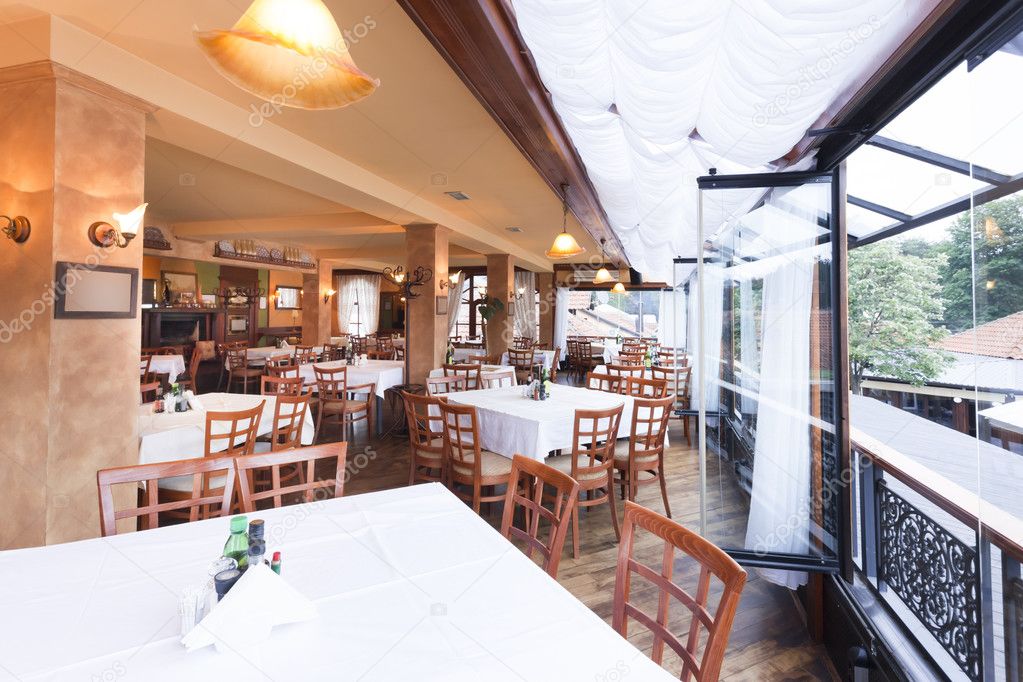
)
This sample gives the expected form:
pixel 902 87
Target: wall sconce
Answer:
pixel 106 235
pixel 17 228
pixel 407 281
pixel 520 292
pixel 327 294
pixel 451 282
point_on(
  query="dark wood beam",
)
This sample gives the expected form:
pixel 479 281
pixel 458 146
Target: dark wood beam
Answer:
pixel 481 43
pixel 878 208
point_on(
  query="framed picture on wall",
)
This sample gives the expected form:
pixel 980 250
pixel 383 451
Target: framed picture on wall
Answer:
pixel 442 305
pixel 95 292
pixel 262 302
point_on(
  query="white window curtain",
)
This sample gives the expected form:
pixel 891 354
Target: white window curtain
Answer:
pixel 713 292
pixel 561 319
pixel 455 294
pixel 671 319
pixel 780 499
pixel 749 354
pixel 525 305
pixel 364 291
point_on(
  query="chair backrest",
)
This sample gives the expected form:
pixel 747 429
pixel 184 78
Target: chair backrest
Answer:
pixel 289 418
pixel 382 354
pixel 425 424
pixel 162 350
pixel 555 363
pixel 572 348
pixel 232 433
pixel 307 485
pixel 713 562
pixel 199 469
pixel 331 352
pixel 360 344
pixel 593 440
pixel 522 342
pixel 521 358
pixel 498 378
pixel 145 365
pixel 631 359
pixel 193 369
pixel 385 343
pixel 461 435
pixel 331 383
pixel 649 426
pixel 304 355
pixel 237 358
pixel 645 388
pixel 584 349
pixel 609 383
pixel 470 372
pixel 672 357
pixel 477 360
pixel 531 484
pixel 279 385
pixel 447 384
pixel 626 371
pixel 676 377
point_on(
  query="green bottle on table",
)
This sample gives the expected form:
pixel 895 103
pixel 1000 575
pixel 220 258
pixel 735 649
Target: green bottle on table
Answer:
pixel 237 545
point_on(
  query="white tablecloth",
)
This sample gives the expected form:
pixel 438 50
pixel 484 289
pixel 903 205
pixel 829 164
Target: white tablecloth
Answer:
pixel 511 424
pixel 259 355
pixel 385 373
pixel 409 584
pixel 439 371
pixel 169 436
pixel 463 354
pixel 171 365
pixel 545 357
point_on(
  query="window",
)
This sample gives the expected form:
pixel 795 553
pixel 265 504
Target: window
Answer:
pixel 470 325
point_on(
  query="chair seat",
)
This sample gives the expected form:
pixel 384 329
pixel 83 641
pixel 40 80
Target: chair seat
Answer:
pixel 622 458
pixel 348 406
pixel 251 372
pixel 564 465
pixel 491 464
pixel 183 484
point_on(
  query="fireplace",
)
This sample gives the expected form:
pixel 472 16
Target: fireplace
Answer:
pixel 179 332
pixel 180 327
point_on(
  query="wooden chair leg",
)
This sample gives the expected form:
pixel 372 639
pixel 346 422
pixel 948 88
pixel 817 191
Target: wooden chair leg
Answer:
pixel 664 491
pixel 614 511
pixel 575 532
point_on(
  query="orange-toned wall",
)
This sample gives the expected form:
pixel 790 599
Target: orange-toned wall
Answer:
pixel 283 318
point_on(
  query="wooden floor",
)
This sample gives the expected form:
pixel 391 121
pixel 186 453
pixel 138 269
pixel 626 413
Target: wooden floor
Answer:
pixel 768 641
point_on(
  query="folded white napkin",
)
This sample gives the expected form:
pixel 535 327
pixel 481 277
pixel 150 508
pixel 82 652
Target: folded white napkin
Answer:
pixel 193 400
pixel 284 344
pixel 257 602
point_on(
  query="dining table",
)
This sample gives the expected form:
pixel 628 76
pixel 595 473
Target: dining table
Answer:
pixel 540 357
pixel 171 365
pixel 260 354
pixel 512 424
pixel 385 374
pixel 169 436
pixel 406 584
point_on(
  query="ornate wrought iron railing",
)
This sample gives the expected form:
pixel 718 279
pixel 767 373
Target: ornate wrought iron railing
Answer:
pixel 947 563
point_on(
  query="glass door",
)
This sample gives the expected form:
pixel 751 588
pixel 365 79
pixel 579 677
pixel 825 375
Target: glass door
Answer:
pixel 762 324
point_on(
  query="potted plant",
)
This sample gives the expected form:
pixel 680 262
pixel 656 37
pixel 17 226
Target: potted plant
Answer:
pixel 488 306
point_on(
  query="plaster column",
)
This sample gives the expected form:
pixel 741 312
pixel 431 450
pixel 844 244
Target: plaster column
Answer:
pixel 316 313
pixel 545 285
pixel 501 285
pixel 72 152
pixel 426 332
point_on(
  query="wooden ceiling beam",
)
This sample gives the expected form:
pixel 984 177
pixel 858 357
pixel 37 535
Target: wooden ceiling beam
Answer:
pixel 481 42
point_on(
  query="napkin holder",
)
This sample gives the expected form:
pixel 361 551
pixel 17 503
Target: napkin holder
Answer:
pixel 244 618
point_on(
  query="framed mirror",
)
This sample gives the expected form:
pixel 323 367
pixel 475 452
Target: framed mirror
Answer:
pixel 288 298
pixel 183 286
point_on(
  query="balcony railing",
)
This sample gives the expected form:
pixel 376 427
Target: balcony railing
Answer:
pixel 946 562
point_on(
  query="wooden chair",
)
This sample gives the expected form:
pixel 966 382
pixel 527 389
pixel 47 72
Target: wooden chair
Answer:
pixel 199 497
pixel 592 463
pixel 289 417
pixel 232 433
pixel 608 383
pixel 626 371
pixel 278 385
pixel 645 388
pixel 677 378
pixel 425 438
pixel 671 357
pixel 533 483
pixel 149 386
pixel 190 380
pixel 399 352
pixel 360 345
pixel 583 361
pixel 555 363
pixel 238 369
pixel 222 349
pixel 499 378
pixel 641 460
pixel 470 372
pixel 381 354
pixel 712 561
pixel 522 342
pixel 468 464
pixel 309 486
pixel 442 385
pixel 385 344
pixel 162 350
pixel 331 352
pixel 339 401
pixel 478 359
pixel 304 355
pixel 522 360
pixel 631 359
pixel 282 366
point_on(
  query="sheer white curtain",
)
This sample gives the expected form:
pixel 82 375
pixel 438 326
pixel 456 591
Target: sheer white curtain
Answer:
pixel 713 293
pixel 345 302
pixel 749 354
pixel 561 319
pixel 671 319
pixel 455 293
pixel 525 304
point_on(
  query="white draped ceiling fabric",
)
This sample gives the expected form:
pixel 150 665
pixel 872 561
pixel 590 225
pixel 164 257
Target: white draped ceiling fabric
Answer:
pixel 655 92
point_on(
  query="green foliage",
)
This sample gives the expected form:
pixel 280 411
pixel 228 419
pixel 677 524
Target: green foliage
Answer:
pixel 985 258
pixel 489 306
pixel 894 305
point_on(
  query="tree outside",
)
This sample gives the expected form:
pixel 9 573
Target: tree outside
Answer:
pixel 984 258
pixel 895 311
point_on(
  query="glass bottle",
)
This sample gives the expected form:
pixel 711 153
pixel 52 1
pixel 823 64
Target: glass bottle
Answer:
pixel 237 545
